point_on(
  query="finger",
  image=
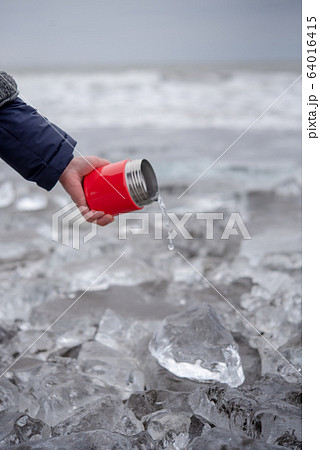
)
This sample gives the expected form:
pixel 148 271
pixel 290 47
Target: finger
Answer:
pixel 89 216
pixel 103 162
pixel 98 214
pixel 98 217
pixel 84 210
pixel 93 216
pixel 105 220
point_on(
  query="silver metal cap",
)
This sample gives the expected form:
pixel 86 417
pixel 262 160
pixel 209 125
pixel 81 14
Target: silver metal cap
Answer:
pixel 141 181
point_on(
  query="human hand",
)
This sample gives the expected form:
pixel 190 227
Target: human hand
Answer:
pixel 71 180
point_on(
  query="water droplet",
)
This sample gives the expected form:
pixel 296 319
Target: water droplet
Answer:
pixel 170 247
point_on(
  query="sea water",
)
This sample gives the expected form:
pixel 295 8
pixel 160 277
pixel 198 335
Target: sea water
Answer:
pixel 166 220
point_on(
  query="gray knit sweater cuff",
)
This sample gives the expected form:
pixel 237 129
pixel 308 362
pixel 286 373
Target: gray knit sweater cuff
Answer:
pixel 8 88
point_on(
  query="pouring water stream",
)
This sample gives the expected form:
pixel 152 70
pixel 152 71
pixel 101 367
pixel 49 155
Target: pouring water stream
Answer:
pixel 163 208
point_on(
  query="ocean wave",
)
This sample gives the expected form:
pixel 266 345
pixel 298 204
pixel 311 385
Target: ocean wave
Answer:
pixel 163 99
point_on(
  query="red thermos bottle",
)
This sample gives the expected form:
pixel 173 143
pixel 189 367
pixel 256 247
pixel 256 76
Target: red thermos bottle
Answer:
pixel 121 187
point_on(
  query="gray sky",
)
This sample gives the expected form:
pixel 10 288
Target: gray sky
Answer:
pixel 62 33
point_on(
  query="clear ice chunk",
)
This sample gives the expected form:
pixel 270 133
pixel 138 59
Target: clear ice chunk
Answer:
pixel 123 334
pixel 97 439
pixel 9 395
pixel 112 367
pixel 273 363
pixel 170 430
pixel 268 410
pixel 194 344
pixel 17 428
pixel 74 328
pixel 24 369
pixel 40 348
pixel 60 391
pixel 159 378
pixel 147 402
pixel 219 438
pixel 107 413
pixel 11 399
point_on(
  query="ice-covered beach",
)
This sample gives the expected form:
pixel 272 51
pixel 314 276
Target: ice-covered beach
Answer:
pixel 91 381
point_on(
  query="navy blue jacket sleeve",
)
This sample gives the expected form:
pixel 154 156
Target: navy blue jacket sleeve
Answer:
pixel 38 150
